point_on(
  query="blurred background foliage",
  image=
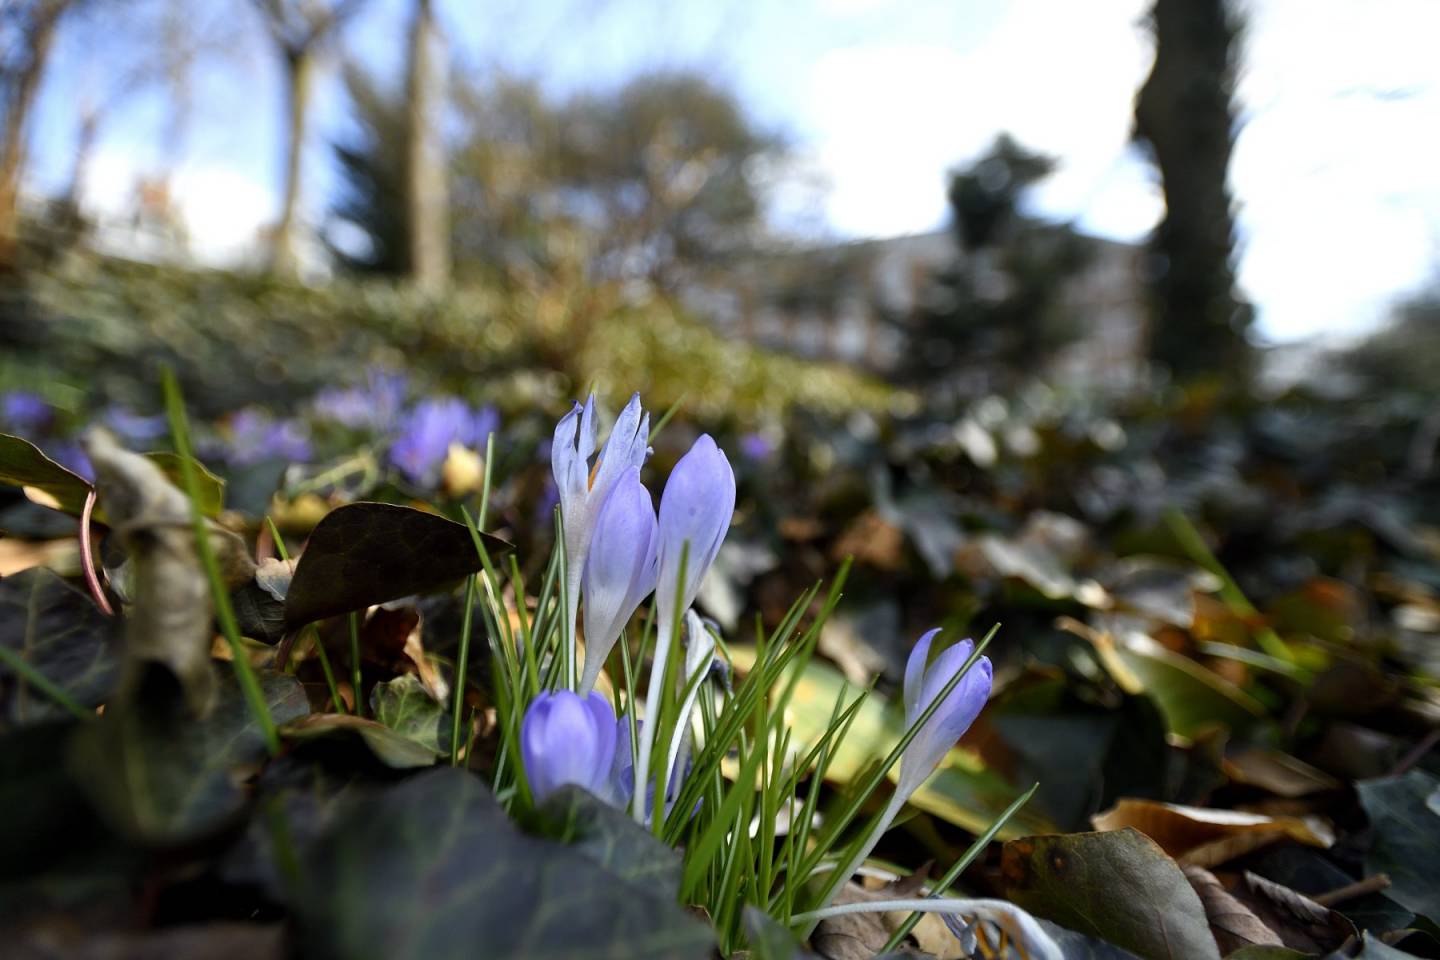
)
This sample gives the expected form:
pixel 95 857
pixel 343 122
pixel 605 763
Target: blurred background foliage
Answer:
pixel 1199 549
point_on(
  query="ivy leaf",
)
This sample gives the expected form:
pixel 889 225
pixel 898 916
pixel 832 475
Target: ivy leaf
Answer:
pixel 612 839
pixel 1404 816
pixel 1118 887
pixel 405 706
pixel 63 635
pixel 394 750
pixel 457 880
pixel 162 776
pixel 367 553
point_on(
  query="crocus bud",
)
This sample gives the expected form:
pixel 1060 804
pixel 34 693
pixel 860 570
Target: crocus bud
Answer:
pixel 695 509
pixel 620 569
pixel 954 716
pixel 695 513
pixel 566 738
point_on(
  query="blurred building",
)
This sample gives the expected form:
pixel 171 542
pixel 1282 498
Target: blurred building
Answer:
pixel 849 303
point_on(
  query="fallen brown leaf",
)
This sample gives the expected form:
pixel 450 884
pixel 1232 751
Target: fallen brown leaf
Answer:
pixel 1232 923
pixel 1206 838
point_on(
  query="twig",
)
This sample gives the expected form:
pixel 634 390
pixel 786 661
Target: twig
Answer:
pixel 1371 884
pixel 87 557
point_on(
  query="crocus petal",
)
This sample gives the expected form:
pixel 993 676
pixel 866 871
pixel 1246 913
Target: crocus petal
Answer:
pixel 695 509
pixel 951 719
pixel 915 673
pixel 620 569
pixel 620 446
pixel 567 739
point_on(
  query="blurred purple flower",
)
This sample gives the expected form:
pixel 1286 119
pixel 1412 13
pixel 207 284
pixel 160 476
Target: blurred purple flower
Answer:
pixel 374 406
pixel 756 446
pixel 134 428
pixel 25 412
pixel 946 725
pixel 256 436
pixel 620 570
pixel 70 455
pixel 569 739
pixel 426 432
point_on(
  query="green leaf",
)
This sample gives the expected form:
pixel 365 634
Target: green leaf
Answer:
pixel 611 838
pixel 405 706
pixel 24 465
pixel 395 750
pixel 367 553
pixel 1194 700
pixel 162 776
pixel 1404 817
pixel 60 632
pixel 433 868
pixel 1116 886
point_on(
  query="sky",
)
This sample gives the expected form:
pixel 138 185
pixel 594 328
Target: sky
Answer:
pixel 1334 172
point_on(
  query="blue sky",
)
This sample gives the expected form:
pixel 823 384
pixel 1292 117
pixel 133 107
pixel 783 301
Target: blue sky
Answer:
pixel 1335 169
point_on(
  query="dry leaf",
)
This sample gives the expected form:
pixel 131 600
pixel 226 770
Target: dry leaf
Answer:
pixel 1232 923
pixel 171 620
pixel 1206 838
pixel 1278 772
pixel 1301 923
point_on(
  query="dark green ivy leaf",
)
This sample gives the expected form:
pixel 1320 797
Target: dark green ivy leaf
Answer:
pixel 1404 817
pixel 162 776
pixel 612 839
pixel 433 868
pixel 64 636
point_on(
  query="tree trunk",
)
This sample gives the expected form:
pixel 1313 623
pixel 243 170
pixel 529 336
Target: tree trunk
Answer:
pixel 426 188
pixel 1197 323
pixel 299 70
pixel 20 99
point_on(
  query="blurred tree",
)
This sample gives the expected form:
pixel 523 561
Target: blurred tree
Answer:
pixel 368 231
pixel 1184 113
pixel 299 28
pixel 666 164
pixel 996 313
pixel 426 173
pixel 645 182
pixel 27 32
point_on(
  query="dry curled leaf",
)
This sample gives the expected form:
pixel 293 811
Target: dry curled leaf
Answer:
pixel 171 620
pixel 1233 924
pixel 1280 773
pixel 1206 838
pixel 1301 923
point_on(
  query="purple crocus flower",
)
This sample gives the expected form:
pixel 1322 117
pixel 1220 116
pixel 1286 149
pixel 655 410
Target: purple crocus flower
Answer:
pixel 756 446
pixel 695 513
pixel 946 725
pixel 133 427
pixel 373 406
pixel 426 433
pixel 695 509
pixel 256 436
pixel 583 491
pixel 620 570
pixel 566 738
pixel 25 412
pixel 70 455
